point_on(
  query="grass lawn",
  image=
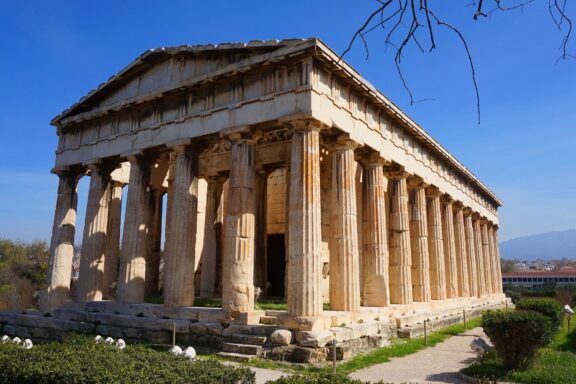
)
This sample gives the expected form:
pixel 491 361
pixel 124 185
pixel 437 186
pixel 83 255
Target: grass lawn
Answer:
pixel 555 364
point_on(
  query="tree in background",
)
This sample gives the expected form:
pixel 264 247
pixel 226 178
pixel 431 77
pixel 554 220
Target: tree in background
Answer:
pixel 507 265
pixel 23 269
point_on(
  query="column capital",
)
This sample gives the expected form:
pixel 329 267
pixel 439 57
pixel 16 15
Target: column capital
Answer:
pixel 241 133
pixel 416 182
pixel 343 143
pixel 433 191
pixel 100 166
pixel 303 124
pixel 372 159
pixel 467 211
pixel 446 199
pixel 458 205
pixel 395 172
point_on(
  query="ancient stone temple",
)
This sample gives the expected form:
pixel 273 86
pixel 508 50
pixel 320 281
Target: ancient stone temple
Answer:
pixel 283 173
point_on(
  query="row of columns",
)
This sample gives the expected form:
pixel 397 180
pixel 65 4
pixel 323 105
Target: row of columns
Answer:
pixel 417 243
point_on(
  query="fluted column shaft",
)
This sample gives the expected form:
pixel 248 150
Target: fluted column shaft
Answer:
pixel 375 290
pixel 154 243
pixel 181 240
pixel 61 244
pixel 212 231
pixel 497 258
pixel 238 262
pixel 131 279
pixel 492 261
pixel 471 256
pixel 91 277
pixel 436 245
pixel 112 258
pixel 344 258
pixel 400 251
pixel 461 253
pixel 480 265
pixel 304 223
pixel 486 254
pixel 449 249
pixel 419 242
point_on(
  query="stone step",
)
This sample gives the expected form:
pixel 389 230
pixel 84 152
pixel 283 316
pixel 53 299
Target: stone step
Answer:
pixel 246 349
pixel 268 320
pixel 274 312
pixel 238 357
pixel 248 339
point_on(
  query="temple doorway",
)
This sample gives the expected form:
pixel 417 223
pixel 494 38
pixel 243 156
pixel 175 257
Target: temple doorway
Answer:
pixel 275 266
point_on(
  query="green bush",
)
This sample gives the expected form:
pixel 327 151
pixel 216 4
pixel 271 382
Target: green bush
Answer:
pixel 80 360
pixel 548 307
pixel 517 335
pixel 326 378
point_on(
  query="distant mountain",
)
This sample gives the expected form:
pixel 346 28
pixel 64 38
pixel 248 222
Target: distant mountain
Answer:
pixel 545 246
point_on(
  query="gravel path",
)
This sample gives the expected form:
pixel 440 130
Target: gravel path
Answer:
pixel 263 375
pixel 438 364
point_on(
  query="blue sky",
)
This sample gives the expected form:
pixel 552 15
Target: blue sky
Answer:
pixel 54 52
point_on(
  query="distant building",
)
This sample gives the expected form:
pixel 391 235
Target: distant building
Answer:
pixel 534 279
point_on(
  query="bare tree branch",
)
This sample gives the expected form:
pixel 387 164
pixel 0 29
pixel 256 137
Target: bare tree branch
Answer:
pixel 408 13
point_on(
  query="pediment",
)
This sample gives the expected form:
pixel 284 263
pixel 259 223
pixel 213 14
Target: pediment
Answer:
pixel 166 68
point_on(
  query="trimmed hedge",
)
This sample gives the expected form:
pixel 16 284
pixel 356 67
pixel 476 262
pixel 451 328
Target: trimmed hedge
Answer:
pixel 548 307
pixel 80 360
pixel 517 335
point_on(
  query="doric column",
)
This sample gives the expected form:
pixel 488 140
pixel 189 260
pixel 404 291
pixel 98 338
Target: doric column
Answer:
pixel 419 240
pixel 62 243
pixel 154 243
pixel 112 254
pixel 344 262
pixel 375 290
pixel 91 280
pixel 497 258
pixel 212 232
pixel 179 252
pixel 492 259
pixel 486 254
pixel 479 256
pixel 471 253
pixel 238 262
pixel 449 247
pixel 436 244
pixel 461 252
pixel 260 230
pixel 304 223
pixel 131 283
pixel 400 266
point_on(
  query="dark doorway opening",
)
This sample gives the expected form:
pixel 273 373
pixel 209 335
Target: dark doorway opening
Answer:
pixel 275 265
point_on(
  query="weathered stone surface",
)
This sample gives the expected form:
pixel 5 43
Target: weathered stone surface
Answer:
pixel 61 244
pixel 342 333
pixel 436 245
pixel 400 268
pixel 238 257
pixel 180 247
pixel 419 241
pixel 344 259
pixel 94 240
pixel 281 337
pixel 305 232
pixel 314 339
pixel 131 283
pixel 375 281
pixel 308 355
